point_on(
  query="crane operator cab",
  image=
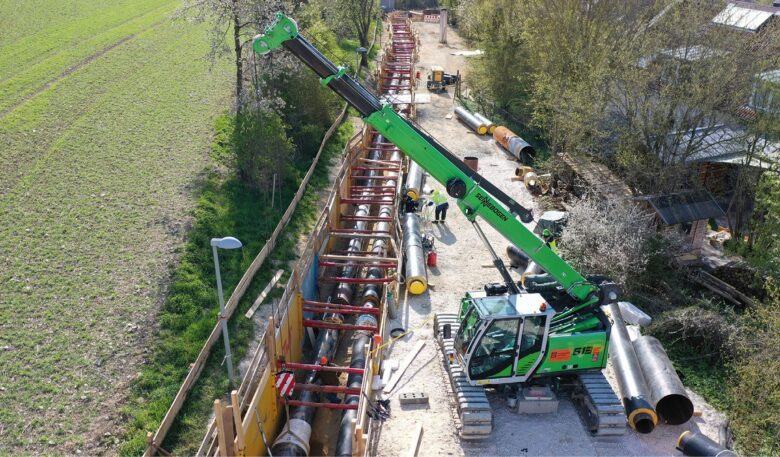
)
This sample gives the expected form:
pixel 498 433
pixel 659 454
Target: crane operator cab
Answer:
pixel 506 339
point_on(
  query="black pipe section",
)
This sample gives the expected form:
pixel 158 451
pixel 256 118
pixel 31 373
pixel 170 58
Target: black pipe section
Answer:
pixel 325 346
pixel 517 258
pixel 354 381
pixel 344 291
pixel 696 444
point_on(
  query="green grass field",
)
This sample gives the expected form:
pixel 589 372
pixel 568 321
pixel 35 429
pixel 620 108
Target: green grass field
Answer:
pixel 106 116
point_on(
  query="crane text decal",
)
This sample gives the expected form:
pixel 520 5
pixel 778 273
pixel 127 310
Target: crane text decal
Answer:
pixel 489 205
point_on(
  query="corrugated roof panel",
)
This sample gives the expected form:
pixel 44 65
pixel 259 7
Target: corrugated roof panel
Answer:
pixel 742 18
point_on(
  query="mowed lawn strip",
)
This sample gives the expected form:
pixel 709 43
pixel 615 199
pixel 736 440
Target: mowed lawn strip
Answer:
pixel 91 226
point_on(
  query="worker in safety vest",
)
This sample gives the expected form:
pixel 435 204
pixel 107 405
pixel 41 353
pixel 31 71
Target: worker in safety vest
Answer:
pixel 549 240
pixel 440 200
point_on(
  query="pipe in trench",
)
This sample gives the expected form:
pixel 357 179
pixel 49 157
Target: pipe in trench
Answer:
pixel 371 299
pixel 470 120
pixel 640 414
pixel 294 439
pixel 344 291
pixel 667 392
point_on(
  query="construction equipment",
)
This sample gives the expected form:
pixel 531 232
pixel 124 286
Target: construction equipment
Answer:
pixel 438 80
pixel 550 330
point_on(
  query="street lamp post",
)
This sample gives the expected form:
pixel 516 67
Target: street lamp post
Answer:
pixel 224 243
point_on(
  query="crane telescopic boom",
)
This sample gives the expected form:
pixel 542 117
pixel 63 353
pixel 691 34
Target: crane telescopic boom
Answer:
pixel 476 196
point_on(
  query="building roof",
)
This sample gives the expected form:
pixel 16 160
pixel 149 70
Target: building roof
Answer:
pixel 686 206
pixel 723 144
pixel 692 53
pixel 745 16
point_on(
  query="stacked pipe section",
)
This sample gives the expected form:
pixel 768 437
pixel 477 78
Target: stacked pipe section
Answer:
pixel 667 392
pixel 634 392
pixel 371 298
pixel 471 120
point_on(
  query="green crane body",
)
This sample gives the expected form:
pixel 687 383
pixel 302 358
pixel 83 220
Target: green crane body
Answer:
pixel 571 340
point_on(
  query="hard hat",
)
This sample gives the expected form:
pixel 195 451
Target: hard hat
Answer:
pixel 546 233
pixel 427 190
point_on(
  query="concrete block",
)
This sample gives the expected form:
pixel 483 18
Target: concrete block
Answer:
pixel 410 398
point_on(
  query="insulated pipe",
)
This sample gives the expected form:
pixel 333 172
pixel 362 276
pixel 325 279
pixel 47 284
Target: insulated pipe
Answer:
pixel 667 392
pixel 294 440
pixel 371 298
pixel 415 180
pixel 344 291
pixel 696 444
pixel 470 120
pixel 633 388
pixel 354 381
pixel 491 126
pixel 414 271
pixel 516 146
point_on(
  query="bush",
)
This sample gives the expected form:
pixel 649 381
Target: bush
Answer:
pixel 261 148
pixel 755 412
pixel 703 331
pixel 610 238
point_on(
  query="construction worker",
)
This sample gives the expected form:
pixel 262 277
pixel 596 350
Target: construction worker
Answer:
pixel 549 240
pixel 440 200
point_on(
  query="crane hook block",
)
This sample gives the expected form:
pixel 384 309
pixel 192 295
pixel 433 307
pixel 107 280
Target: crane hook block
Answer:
pixel 282 29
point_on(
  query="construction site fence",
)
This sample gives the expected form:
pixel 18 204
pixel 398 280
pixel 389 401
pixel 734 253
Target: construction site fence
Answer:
pixel 155 440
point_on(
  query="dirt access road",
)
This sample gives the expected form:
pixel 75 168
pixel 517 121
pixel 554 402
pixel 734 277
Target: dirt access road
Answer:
pixel 460 268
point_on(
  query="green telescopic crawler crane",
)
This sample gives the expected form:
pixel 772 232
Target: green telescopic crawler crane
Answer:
pixel 554 328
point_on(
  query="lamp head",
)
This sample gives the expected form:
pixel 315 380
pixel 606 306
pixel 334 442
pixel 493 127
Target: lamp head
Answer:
pixel 227 242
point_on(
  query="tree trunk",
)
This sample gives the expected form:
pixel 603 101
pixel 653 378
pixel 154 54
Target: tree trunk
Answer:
pixel 239 61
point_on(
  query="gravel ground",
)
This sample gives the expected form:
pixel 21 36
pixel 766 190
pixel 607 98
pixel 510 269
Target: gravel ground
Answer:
pixel 460 268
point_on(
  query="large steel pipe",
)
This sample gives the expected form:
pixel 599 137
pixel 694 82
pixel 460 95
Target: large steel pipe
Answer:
pixel 470 120
pixel 667 392
pixel 415 180
pixel 414 270
pixel 633 388
pixel 518 147
pixel 491 126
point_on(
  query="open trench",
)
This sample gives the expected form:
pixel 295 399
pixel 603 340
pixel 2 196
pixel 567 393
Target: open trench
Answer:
pixel 354 276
